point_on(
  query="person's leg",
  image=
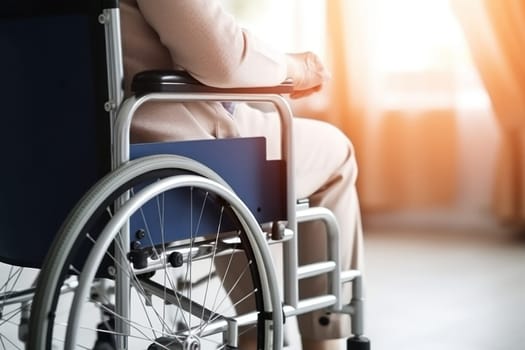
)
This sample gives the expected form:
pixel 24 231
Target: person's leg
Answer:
pixel 326 173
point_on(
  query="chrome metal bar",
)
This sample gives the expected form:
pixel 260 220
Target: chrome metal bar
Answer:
pixel 315 269
pixel 357 304
pixel 110 18
pixel 332 232
pixel 28 294
pixel 194 254
pixel 232 335
pixel 10 298
pixel 310 304
pixel 115 76
pixel 349 275
pixel 176 298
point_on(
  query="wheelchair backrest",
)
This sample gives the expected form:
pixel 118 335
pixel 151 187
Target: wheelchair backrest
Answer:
pixel 55 139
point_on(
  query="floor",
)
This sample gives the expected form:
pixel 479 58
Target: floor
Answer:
pixel 445 289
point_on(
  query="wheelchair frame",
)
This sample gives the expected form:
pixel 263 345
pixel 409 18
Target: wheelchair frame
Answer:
pixel 121 112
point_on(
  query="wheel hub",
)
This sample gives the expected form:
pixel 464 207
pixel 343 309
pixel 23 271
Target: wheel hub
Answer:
pixel 190 343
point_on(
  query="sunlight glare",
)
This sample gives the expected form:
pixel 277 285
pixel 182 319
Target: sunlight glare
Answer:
pixel 413 35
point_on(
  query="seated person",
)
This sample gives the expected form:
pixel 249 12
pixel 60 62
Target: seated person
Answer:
pixel 201 38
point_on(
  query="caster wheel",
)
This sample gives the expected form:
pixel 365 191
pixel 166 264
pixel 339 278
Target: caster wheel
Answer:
pixel 358 343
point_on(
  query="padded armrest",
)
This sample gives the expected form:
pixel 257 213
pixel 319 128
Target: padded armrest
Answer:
pixel 181 81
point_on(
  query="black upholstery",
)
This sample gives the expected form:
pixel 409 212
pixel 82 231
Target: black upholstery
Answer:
pixel 55 139
pixel 181 81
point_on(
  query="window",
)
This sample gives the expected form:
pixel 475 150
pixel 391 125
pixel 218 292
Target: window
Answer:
pixel 291 25
pixel 419 57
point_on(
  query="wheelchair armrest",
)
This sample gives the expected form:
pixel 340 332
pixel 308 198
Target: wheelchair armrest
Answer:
pixel 181 81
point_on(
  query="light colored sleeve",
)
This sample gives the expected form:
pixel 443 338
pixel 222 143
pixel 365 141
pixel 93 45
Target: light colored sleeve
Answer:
pixel 206 41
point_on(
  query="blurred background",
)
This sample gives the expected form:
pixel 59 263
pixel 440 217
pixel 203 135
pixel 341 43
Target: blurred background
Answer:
pixel 432 94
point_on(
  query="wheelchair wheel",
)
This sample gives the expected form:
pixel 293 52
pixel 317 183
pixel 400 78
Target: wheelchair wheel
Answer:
pixel 174 299
pixel 16 294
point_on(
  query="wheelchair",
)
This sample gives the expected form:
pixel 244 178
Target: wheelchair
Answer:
pixel 124 240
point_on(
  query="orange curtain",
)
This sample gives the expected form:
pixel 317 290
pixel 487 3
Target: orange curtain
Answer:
pixel 407 158
pixel 339 106
pixel 495 30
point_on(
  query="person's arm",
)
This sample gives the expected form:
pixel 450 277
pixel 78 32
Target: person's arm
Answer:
pixel 207 42
pixel 307 72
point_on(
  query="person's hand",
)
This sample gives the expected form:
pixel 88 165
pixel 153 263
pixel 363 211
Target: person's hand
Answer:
pixel 307 73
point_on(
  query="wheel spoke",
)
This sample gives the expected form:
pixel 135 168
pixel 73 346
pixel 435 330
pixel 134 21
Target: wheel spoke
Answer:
pixel 192 301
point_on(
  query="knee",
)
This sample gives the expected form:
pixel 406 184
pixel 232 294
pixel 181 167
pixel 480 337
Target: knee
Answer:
pixel 326 134
pixel 340 144
pixel 337 139
pixel 324 156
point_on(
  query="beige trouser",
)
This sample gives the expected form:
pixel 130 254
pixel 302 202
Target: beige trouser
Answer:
pixel 326 174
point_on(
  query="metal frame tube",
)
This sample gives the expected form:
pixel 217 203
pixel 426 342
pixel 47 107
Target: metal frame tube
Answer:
pixel 122 154
pixel 115 77
pixel 110 18
pixel 357 304
pixel 332 232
